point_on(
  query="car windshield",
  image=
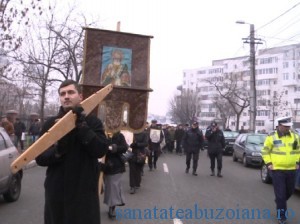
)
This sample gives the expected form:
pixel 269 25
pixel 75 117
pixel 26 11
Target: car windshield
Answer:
pixel 230 134
pixel 256 139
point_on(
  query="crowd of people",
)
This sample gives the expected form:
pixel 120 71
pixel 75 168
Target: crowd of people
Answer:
pixel 73 166
pixel 17 131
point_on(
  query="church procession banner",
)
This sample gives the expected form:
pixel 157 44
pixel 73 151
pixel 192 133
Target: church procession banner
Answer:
pixel 122 59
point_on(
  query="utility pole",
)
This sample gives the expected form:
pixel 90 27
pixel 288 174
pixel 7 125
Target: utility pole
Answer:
pixel 252 80
pixel 252 41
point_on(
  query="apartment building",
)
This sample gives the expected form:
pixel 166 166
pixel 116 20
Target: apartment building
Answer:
pixel 277 86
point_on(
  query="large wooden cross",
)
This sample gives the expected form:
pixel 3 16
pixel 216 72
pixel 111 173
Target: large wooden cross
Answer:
pixel 60 129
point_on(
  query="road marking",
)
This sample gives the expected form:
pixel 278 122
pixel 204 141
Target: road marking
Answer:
pixel 166 169
pixel 177 221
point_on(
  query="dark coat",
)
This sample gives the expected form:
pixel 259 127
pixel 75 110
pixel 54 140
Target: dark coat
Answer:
pixel 114 163
pixel 34 128
pixel 19 127
pixel 71 185
pixel 167 135
pixel 179 133
pixel 192 140
pixel 216 140
pixel 140 143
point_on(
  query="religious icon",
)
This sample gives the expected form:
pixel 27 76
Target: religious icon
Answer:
pixel 116 66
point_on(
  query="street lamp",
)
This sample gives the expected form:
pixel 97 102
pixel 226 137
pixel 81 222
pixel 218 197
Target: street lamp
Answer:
pixel 252 75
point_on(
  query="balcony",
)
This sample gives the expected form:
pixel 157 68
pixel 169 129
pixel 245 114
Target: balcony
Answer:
pixel 289 82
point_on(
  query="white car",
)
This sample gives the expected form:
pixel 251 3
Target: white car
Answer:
pixel 10 184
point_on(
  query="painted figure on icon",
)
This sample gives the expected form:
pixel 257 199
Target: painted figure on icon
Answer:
pixel 116 66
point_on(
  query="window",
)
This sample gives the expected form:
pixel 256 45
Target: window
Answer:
pixel 285 76
pixel 201 72
pixel 285 64
pixel 2 143
pixel 296 101
pixel 260 123
pixel 243 138
pixel 263 113
pixel 262 102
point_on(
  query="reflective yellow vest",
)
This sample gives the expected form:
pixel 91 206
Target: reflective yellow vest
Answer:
pixel 281 152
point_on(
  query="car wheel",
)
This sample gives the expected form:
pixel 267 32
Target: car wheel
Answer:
pixel 265 174
pixel 234 158
pixel 14 190
pixel 245 163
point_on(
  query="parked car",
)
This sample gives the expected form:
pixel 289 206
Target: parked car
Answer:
pixel 266 176
pixel 230 137
pixel 297 130
pixel 10 184
pixel 247 148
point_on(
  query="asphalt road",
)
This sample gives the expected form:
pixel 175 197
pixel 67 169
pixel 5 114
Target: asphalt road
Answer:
pixel 168 195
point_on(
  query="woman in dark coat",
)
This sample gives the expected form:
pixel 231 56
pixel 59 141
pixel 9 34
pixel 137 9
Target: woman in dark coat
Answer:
pixel 140 142
pixel 71 185
pixel 113 169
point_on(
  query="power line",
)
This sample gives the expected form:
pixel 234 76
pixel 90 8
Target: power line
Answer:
pixel 279 16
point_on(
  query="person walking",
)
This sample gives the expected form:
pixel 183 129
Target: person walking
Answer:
pixel 171 142
pixel 281 154
pixel 8 127
pixel 71 184
pixel 155 138
pixel 19 127
pixel 179 132
pixel 34 130
pixel 216 144
pixel 140 142
pixel 192 142
pixel 113 171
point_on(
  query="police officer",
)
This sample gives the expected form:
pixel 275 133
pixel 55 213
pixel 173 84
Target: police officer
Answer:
pixel 281 154
pixel 216 144
pixel 192 142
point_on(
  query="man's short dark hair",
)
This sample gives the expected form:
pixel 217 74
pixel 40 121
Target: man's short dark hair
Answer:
pixel 68 82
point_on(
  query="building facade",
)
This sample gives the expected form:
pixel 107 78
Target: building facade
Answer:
pixel 277 79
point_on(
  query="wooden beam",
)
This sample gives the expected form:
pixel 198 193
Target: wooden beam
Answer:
pixel 60 129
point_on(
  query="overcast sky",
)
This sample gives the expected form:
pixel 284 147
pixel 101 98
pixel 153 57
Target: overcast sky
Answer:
pixel 189 34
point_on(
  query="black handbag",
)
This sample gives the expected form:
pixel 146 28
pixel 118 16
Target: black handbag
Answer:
pixel 140 158
pixel 127 156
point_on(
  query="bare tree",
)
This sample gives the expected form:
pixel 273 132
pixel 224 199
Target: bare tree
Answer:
pixel 52 52
pixel 38 59
pixel 69 61
pixel 234 92
pixel 183 108
pixel 224 110
pixel 14 14
pixel 275 105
